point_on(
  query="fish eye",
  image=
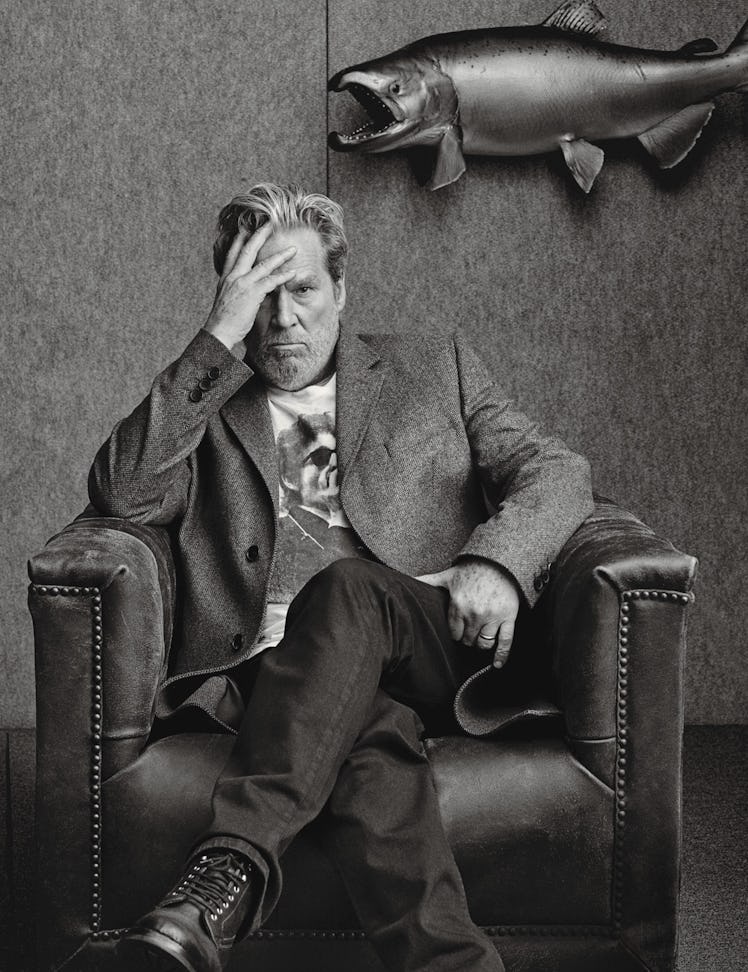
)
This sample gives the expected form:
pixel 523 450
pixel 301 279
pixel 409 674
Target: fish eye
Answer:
pixel 395 88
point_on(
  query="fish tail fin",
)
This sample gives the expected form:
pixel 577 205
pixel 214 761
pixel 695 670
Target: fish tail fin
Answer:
pixel 740 46
pixel 741 40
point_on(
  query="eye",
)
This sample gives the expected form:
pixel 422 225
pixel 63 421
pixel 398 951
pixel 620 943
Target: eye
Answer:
pixel 304 289
pixel 396 88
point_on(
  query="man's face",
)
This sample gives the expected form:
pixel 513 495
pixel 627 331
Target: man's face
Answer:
pixel 292 342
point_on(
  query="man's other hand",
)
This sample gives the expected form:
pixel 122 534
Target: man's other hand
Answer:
pixel 483 604
pixel 244 285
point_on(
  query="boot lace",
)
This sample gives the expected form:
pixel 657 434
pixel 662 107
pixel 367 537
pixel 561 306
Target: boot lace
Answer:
pixel 213 882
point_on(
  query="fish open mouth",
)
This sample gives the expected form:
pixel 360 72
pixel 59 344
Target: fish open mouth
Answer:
pixel 379 131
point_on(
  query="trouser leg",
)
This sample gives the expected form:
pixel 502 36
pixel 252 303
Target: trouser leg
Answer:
pixel 354 626
pixel 383 827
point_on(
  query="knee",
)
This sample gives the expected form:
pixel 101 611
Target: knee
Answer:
pixel 350 572
pixel 350 581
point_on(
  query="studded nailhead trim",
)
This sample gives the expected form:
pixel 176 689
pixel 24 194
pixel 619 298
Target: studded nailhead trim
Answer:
pixel 356 934
pixel 624 636
pixel 559 931
pixel 110 934
pixel 675 596
pixel 97 710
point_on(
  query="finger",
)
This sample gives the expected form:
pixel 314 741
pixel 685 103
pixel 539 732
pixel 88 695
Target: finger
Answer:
pixel 506 634
pixel 269 265
pixel 487 636
pixel 252 246
pixel 268 284
pixel 236 244
pixel 275 280
pixel 471 631
pixel 455 621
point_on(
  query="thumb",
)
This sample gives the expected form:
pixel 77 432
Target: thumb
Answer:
pixel 440 579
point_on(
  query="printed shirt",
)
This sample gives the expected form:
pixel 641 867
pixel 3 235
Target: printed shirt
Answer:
pixel 312 529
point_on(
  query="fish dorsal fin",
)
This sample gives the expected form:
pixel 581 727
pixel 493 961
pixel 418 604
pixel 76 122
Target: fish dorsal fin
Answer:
pixel 704 45
pixel 672 140
pixel 450 163
pixel 583 159
pixel 578 17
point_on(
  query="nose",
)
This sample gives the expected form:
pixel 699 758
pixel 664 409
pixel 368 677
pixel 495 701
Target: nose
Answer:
pixel 283 312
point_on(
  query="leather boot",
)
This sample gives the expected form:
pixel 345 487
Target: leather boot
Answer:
pixel 195 926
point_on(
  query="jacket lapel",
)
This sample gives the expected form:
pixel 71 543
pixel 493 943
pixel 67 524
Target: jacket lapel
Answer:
pixel 359 382
pixel 248 415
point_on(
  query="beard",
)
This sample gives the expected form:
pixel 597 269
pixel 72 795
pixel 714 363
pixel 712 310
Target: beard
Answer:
pixel 295 368
pixel 283 370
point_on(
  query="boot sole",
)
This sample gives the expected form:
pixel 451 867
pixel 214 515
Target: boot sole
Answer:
pixel 153 952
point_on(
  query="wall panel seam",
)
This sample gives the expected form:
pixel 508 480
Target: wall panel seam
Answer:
pixel 327 97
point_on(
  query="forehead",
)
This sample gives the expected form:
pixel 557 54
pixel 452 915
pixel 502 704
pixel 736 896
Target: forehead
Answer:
pixel 310 254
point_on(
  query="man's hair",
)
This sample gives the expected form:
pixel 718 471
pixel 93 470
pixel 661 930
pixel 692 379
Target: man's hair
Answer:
pixel 284 207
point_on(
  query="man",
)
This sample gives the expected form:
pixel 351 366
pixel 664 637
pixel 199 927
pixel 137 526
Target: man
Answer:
pixel 311 477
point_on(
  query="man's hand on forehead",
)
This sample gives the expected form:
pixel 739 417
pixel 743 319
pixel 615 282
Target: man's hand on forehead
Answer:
pixel 244 284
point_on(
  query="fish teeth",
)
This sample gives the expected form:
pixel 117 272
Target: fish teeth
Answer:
pixel 366 130
pixel 369 100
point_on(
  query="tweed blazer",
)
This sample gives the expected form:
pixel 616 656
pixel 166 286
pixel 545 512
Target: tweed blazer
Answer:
pixel 434 464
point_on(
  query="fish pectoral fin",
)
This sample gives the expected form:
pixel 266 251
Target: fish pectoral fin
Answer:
pixel 704 45
pixel 450 163
pixel 672 140
pixel 578 17
pixel 583 159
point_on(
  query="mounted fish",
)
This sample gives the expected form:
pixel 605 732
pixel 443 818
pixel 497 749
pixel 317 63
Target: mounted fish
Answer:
pixel 529 90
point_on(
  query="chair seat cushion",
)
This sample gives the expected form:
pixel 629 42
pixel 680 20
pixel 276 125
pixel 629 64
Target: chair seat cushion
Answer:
pixel 531 828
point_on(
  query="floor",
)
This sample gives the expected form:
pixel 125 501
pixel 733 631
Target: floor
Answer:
pixel 714 900
pixel 714 889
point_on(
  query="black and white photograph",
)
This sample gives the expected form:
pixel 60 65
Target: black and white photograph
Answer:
pixel 374 455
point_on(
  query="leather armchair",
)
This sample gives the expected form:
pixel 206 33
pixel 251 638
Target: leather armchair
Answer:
pixel 566 830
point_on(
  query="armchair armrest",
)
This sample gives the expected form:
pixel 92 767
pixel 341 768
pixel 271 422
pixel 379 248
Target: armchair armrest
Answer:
pixel 618 605
pixel 102 600
pixel 614 573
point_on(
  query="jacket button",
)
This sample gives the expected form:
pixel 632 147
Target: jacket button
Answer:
pixel 252 553
pixel 236 642
pixel 538 583
pixel 545 576
pixel 204 384
pixel 214 373
pixel 195 395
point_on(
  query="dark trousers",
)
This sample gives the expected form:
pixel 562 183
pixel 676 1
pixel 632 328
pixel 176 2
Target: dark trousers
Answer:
pixel 333 724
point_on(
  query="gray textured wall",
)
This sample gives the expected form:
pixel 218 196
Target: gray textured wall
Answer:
pixel 617 319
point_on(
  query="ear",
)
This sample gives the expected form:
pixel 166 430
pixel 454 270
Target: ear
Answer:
pixel 340 294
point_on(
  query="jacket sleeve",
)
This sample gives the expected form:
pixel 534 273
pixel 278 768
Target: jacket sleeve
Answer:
pixel 142 471
pixel 540 489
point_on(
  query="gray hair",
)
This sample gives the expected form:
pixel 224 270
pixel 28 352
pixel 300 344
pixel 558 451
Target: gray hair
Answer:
pixel 284 207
